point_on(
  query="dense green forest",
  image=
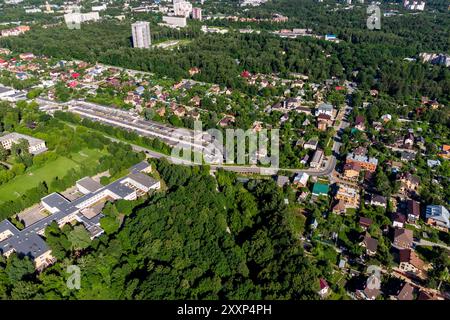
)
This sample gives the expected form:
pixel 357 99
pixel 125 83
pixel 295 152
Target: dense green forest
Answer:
pixel 191 242
pixel 379 63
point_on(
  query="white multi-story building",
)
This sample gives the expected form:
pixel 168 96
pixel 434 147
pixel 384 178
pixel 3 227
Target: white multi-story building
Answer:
pixel 36 146
pixel 77 17
pixel 179 22
pixel 141 34
pixel 99 8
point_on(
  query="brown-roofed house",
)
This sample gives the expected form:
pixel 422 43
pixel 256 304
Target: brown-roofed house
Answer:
pixel 359 123
pixel 412 210
pixel 403 238
pixel 352 170
pixel 365 222
pixel 370 244
pixel 406 292
pixel 409 182
pixel 398 220
pixel 410 262
pixel 339 207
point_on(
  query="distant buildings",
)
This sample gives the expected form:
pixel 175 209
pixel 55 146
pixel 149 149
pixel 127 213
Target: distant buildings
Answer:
pixel 141 34
pixel 436 58
pixel 36 146
pixel 330 37
pixel 197 13
pixel 77 18
pixel 14 31
pixel 182 8
pixel 412 210
pixel 207 29
pixel 99 8
pixel 414 5
pixel 177 22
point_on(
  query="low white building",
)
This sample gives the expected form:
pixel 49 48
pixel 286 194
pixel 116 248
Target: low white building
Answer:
pixel 173 21
pixel 36 146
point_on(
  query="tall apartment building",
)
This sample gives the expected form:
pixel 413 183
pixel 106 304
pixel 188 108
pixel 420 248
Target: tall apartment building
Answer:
pixel 197 14
pixel 141 34
pixel 182 9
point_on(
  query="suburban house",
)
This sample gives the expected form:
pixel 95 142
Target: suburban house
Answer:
pixel 317 159
pixel 282 181
pixel 437 216
pixel 324 108
pixel 324 288
pixel 410 262
pixel 378 201
pixel 364 162
pixel 311 144
pixel 359 123
pixel 36 146
pixel 403 238
pixel 300 180
pixel 85 210
pixel 320 189
pixel 339 207
pixel 409 182
pixel 370 244
pixel 370 291
pixel 412 210
pixel 365 222
pixel 349 195
pixel 352 170
pixel 398 220
pixel 406 292
pixel 324 121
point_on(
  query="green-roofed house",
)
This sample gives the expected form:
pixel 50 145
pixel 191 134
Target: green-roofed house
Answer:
pixel 320 189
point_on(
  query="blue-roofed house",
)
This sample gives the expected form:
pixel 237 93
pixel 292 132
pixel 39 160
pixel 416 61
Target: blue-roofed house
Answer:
pixel 437 216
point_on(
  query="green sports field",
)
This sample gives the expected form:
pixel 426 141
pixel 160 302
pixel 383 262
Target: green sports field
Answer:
pixel 56 168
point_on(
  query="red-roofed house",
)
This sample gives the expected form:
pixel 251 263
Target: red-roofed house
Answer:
pixel 245 74
pixel 324 287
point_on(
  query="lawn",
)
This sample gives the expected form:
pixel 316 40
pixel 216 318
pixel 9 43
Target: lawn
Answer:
pixel 56 168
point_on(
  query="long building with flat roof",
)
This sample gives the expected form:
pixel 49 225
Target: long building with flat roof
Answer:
pixel 36 145
pixel 28 241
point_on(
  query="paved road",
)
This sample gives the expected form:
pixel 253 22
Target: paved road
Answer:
pixel 423 242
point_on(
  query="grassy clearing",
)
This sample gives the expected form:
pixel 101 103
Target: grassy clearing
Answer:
pixel 56 168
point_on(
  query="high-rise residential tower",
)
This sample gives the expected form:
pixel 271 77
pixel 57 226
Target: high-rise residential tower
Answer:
pixel 141 34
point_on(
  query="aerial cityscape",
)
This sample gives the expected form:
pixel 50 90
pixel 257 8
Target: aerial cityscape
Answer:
pixel 224 150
